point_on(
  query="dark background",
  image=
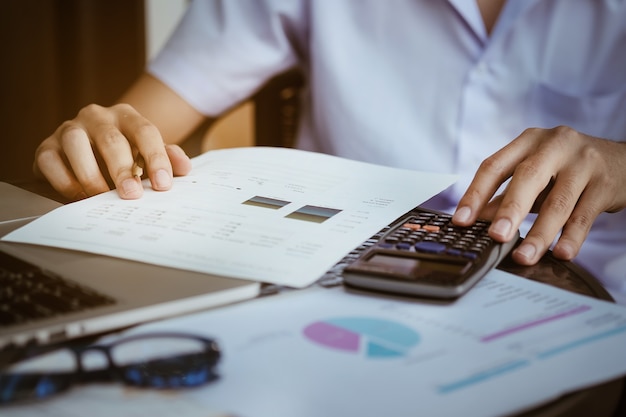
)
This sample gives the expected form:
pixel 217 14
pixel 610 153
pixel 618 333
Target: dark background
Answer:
pixel 58 56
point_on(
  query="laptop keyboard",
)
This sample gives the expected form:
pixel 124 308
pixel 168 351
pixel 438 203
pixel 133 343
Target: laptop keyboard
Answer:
pixel 29 293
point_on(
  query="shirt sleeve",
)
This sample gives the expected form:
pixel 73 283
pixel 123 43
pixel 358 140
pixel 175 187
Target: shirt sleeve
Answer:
pixel 223 51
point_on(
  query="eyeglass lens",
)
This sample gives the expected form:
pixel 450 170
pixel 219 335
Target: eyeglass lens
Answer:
pixel 159 361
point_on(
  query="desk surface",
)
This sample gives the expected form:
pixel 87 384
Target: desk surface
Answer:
pixel 598 401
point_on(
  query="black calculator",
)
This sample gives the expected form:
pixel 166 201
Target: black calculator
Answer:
pixel 424 254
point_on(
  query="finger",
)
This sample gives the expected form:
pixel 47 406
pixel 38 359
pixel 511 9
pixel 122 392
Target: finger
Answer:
pixel 50 165
pixel 578 225
pixel 149 143
pixel 531 177
pixel 489 211
pixel 491 174
pixel 80 156
pixel 526 185
pixel 113 148
pixel 181 164
pixel 553 214
pixel 117 155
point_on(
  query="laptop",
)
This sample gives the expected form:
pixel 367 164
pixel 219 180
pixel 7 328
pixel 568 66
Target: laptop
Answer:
pixel 50 295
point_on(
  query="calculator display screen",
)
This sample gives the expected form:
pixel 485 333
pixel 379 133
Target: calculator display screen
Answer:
pixel 409 265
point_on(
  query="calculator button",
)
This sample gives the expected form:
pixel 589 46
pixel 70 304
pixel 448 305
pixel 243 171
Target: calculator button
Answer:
pixel 470 255
pixel 412 226
pixel 403 246
pixel 426 215
pixel 430 247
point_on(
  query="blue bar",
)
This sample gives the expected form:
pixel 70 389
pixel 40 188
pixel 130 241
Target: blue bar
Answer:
pixel 483 376
pixel 576 343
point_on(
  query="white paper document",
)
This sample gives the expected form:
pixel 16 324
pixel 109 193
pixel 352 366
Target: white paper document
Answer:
pixel 510 344
pixel 276 215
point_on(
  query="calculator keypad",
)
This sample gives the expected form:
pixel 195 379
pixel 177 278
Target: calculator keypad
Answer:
pixel 421 232
pixel 434 233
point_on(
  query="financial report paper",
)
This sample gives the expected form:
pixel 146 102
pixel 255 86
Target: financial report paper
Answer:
pixel 276 215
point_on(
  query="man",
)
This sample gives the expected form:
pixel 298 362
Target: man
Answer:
pixel 536 89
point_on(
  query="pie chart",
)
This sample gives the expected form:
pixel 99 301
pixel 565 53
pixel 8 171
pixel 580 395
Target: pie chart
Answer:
pixel 371 337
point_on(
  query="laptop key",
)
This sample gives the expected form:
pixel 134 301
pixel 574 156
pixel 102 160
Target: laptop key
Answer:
pixel 28 293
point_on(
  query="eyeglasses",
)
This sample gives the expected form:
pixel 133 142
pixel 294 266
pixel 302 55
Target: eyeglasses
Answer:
pixel 155 360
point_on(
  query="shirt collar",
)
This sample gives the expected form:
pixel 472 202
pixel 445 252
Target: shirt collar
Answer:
pixel 468 10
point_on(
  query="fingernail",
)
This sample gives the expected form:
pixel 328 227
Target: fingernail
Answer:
pixel 527 250
pixel 162 179
pixel 462 215
pixel 502 227
pixel 130 187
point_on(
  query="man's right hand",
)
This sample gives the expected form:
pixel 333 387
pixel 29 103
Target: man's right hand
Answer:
pixel 96 150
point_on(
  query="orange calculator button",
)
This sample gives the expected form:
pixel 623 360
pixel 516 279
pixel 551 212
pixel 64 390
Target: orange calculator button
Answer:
pixel 412 226
pixel 431 228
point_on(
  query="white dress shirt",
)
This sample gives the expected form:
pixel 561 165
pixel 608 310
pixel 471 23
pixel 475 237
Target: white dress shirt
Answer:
pixel 419 84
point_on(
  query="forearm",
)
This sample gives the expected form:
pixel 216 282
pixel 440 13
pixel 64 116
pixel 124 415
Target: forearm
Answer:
pixel 171 114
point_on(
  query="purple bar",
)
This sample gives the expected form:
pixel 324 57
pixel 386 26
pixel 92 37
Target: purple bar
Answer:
pixel 332 336
pixel 538 322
